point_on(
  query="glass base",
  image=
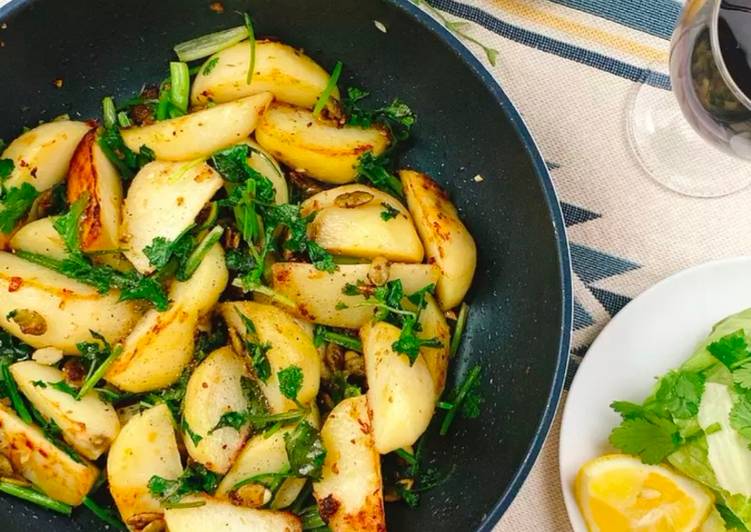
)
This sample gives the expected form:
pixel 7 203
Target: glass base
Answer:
pixel 673 154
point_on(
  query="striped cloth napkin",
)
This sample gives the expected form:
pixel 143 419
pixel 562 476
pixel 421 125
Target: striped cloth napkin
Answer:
pixel 570 66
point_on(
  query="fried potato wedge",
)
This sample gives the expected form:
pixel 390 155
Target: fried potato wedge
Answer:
pixel 290 75
pixel 64 311
pixel 214 389
pixel 289 345
pixel 89 425
pixel 433 325
pixel 401 396
pixel 317 295
pixel 350 492
pixel 198 135
pixel 320 149
pixel 39 237
pixel 43 464
pixel 146 446
pixel 447 241
pixel 93 174
pixel 164 200
pixel 216 514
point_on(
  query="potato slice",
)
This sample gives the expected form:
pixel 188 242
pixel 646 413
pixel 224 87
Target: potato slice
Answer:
pixel 162 343
pixel 361 231
pixel 40 237
pixel 287 73
pixel 91 172
pixel 41 155
pixel 447 241
pixel 355 193
pixel 214 389
pixel 89 425
pixel 163 200
pixel 42 463
pixel 316 293
pixel 401 397
pixel 434 325
pixel 290 345
pixel 321 150
pixel 146 446
pixel 198 135
pixel 69 309
pixel 350 492
pixel 225 516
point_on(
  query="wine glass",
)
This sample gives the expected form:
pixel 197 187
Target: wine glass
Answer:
pixel 697 141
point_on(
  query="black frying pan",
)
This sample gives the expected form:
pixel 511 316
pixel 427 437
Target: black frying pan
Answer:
pixel 521 298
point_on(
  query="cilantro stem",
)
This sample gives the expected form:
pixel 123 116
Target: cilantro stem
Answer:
pixel 181 505
pixel 330 86
pixel 406 456
pixel 109 113
pixel 15 398
pixel 252 43
pixel 209 44
pixel 461 322
pixel 344 340
pixel 265 290
pixel 260 478
pixel 99 373
pixel 179 85
pixel 198 254
pixel 38 498
pixel 103 513
pixel 123 120
pixel 467 385
pixel 292 415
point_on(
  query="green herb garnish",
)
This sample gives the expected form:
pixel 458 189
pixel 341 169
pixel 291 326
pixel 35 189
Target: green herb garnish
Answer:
pixel 330 86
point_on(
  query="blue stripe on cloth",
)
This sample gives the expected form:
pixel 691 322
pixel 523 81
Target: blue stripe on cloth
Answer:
pixel 656 17
pixel 553 46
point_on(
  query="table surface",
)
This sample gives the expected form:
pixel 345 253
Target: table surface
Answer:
pixel 571 66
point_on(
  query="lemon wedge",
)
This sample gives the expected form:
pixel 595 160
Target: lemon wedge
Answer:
pixel 618 493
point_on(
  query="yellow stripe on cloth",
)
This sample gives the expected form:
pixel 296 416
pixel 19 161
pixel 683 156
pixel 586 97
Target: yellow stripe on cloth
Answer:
pixel 523 9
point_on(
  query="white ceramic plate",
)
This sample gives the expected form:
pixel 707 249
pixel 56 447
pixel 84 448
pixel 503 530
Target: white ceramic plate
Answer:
pixel 656 332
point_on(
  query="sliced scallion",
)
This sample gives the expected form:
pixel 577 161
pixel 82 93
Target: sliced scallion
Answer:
pixel 195 258
pixel 104 514
pixel 252 42
pixel 461 322
pixel 38 498
pixel 109 113
pixel 179 85
pixel 99 373
pixel 210 44
pixel 123 120
pixel 330 86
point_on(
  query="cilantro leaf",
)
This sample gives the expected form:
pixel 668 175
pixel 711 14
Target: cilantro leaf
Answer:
pixel 233 419
pixel 210 65
pixel 12 349
pixel 14 204
pixel 64 387
pixel 628 410
pixel 194 479
pixel 409 344
pixel 256 351
pixel 324 335
pixel 396 116
pixel 195 438
pixel 679 394
pixel 740 417
pixel 388 212
pixel 651 439
pixel 161 251
pixel 290 381
pixel 373 169
pixel 742 376
pixel 467 392
pixel 6 168
pixel 239 261
pixel 123 158
pixel 731 349
pixel 305 451
pixel 67 225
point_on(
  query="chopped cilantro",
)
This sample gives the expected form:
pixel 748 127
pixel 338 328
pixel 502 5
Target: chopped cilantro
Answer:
pixel 679 394
pixel 233 419
pixel 305 451
pixel 195 438
pixel 324 334
pixel 64 387
pixel 396 116
pixel 290 381
pixel 651 439
pixel 256 350
pixel 374 169
pixel 123 158
pixel 730 349
pixel 15 202
pixel 209 66
pixel 6 168
pixel 465 399
pixel 740 417
pixel 388 212
pixel 742 376
pixel 194 479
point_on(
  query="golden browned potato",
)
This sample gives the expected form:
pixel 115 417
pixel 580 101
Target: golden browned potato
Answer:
pixel 433 324
pixel 261 161
pixel 146 446
pixel 43 464
pixel 93 174
pixel 163 200
pixel 350 492
pixel 401 396
pixel 89 425
pixel 214 389
pixel 322 150
pixel 198 135
pixel 160 346
pixel 290 346
pixel 41 155
pixel 447 241
pixel 317 295
pixel 287 73
pixel 39 237
pixel 56 310
pixel 361 221
pixel 221 515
